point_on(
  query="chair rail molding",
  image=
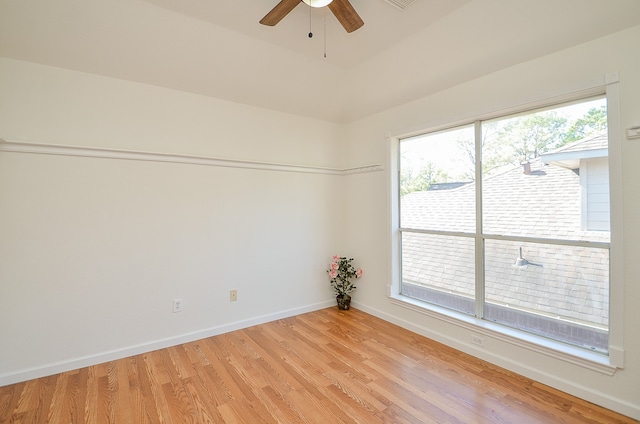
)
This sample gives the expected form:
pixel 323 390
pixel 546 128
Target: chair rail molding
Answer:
pixel 106 153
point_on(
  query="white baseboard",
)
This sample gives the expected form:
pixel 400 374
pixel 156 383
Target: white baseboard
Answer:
pixel 102 357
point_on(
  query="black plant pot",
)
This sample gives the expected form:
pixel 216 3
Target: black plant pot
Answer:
pixel 344 302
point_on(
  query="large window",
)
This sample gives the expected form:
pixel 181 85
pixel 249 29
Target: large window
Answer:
pixel 507 220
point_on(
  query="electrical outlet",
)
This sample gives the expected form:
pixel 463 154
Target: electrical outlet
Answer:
pixel 477 340
pixel 233 295
pixel 177 305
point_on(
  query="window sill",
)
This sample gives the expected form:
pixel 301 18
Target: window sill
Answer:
pixel 594 361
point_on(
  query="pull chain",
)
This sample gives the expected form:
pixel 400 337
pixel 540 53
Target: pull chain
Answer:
pixel 324 29
pixel 325 32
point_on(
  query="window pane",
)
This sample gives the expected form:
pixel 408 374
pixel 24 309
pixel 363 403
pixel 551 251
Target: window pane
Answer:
pixel 560 292
pixel 439 269
pixel 436 181
pixel 543 179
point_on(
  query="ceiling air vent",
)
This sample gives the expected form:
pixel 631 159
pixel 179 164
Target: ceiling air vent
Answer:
pixel 400 4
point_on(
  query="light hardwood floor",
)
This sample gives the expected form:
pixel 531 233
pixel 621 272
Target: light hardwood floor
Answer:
pixel 323 367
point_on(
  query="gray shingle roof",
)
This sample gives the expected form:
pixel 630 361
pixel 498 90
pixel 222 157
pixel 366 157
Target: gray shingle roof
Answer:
pixel 599 141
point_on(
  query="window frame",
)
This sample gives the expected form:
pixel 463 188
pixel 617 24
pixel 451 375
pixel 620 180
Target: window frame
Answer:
pixel 606 364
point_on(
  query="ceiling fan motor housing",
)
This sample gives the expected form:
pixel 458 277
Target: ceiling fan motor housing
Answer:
pixel 317 3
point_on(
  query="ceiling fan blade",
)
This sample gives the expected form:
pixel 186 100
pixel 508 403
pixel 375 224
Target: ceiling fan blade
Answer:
pixel 281 10
pixel 346 15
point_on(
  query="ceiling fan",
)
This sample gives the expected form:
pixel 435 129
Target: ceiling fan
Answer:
pixel 342 9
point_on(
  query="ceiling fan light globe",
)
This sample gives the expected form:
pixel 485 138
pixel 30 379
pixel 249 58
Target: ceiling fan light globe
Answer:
pixel 317 3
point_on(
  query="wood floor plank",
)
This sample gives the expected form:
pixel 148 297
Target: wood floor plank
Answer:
pixel 151 386
pixel 324 367
pixel 27 396
pixel 8 401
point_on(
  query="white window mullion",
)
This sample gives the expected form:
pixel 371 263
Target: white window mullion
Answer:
pixel 479 263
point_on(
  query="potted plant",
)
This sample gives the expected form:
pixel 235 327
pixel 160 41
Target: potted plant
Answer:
pixel 341 271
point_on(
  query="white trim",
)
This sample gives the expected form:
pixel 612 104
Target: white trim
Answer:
pixel 582 154
pixel 361 169
pixel 105 153
pixel 616 193
pixel 539 240
pixel 393 218
pixel 85 361
pixel 478 240
pixel 593 361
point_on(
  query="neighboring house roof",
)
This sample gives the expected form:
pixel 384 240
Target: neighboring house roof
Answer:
pixel 543 203
pixel 569 156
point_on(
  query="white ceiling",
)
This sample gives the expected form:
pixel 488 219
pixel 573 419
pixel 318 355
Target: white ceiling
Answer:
pixel 217 48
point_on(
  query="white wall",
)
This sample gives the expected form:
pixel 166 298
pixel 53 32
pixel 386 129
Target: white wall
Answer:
pixel 367 220
pixel 94 250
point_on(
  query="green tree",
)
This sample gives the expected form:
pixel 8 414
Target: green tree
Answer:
pixel 496 158
pixel 527 137
pixel 421 179
pixel 593 122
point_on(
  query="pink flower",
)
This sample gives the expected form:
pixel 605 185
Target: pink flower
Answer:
pixel 333 274
pixel 334 266
pixel 336 258
pixel 359 273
